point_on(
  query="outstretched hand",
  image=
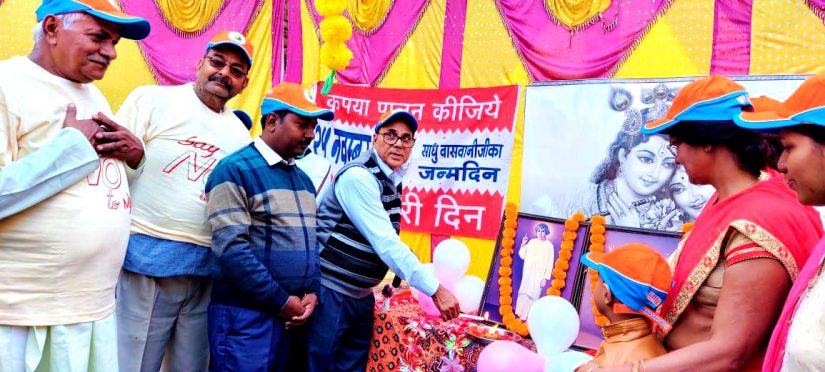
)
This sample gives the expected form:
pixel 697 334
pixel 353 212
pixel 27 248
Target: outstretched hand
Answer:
pixel 446 303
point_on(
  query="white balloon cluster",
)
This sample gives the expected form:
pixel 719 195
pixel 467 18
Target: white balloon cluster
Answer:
pixel 553 322
pixel 450 262
pixel 554 325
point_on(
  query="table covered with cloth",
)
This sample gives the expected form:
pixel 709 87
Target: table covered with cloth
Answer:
pixel 406 339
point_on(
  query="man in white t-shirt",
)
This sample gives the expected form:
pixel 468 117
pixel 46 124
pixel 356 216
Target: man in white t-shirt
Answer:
pixel 318 168
pixel 65 221
pixel 164 288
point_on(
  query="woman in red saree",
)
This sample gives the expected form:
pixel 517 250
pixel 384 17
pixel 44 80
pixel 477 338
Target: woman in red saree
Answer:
pixel 733 270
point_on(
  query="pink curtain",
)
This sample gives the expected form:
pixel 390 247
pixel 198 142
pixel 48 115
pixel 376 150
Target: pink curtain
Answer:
pixel 731 37
pixel 294 43
pixel 455 18
pixel 277 41
pixel 818 7
pixel 551 52
pixel 172 57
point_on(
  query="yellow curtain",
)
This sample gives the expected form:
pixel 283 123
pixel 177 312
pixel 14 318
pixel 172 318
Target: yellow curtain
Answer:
pixel 680 43
pixel 418 65
pixel 260 76
pixel 419 243
pixel 489 58
pixel 786 38
pixel 572 13
pixel 368 15
pixel 189 15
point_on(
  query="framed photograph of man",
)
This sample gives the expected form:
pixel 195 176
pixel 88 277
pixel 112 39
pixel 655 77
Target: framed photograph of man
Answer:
pixel 583 151
pixel 538 242
pixel 590 335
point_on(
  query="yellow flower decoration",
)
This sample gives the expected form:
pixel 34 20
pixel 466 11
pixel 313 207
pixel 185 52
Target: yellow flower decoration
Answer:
pixel 328 8
pixel 336 29
pixel 335 56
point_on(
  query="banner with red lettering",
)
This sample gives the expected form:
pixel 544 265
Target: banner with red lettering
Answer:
pixel 459 169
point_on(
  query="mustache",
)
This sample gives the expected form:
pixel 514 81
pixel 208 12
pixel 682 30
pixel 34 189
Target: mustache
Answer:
pixel 99 59
pixel 223 80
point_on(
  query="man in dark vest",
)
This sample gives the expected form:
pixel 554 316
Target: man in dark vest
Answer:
pixel 359 219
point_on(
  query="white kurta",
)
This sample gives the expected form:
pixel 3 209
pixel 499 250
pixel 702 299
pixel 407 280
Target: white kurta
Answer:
pixel 806 338
pixel 538 258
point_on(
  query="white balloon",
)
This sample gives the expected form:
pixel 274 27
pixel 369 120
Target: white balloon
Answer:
pixel 553 324
pixel 468 290
pixel 451 259
pixel 567 361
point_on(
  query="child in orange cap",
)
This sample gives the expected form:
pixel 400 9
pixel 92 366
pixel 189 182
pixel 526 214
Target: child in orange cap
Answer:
pixel 633 282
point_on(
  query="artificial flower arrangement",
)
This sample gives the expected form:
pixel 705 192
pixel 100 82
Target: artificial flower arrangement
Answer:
pixel 335 31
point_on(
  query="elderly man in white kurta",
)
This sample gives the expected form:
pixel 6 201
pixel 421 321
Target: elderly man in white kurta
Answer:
pixel 62 242
pixel 537 254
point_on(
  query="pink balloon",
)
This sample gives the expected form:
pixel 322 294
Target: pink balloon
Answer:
pixel 508 356
pixel 426 303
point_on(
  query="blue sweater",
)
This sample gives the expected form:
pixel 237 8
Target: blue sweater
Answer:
pixel 263 230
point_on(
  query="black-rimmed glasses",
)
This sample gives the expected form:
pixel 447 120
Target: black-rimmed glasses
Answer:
pixel 219 64
pixel 391 138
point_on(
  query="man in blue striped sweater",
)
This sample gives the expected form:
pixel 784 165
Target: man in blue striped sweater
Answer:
pixel 359 219
pixel 262 214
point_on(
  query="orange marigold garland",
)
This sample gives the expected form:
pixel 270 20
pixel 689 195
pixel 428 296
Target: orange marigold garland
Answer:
pixel 505 271
pixel 597 240
pixel 571 227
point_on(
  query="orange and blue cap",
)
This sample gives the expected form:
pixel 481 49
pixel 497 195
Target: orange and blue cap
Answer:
pixel 711 98
pixel 131 27
pixel 638 277
pixel 233 39
pixel 762 103
pixel 397 114
pixel 292 97
pixel 805 106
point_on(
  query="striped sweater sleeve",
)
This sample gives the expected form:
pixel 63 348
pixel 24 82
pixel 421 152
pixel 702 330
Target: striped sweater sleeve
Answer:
pixel 230 221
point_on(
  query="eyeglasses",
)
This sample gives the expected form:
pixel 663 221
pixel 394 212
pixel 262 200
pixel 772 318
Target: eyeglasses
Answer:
pixel 235 70
pixel 391 138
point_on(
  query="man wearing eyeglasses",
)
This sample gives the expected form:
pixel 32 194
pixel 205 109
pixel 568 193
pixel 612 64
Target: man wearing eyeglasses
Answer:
pixel 164 287
pixel 359 219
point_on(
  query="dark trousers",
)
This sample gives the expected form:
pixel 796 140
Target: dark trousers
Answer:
pixel 247 340
pixel 339 332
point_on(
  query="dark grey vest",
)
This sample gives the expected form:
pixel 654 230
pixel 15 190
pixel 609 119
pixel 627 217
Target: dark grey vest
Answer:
pixel 349 264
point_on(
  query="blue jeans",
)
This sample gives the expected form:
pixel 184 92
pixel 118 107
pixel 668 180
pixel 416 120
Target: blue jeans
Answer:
pixel 339 332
